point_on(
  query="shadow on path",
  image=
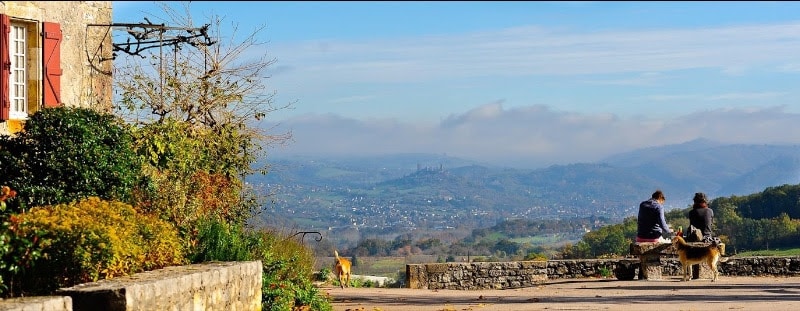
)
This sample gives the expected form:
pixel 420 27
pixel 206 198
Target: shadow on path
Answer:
pixel 741 291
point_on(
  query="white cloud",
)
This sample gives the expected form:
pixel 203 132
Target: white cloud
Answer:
pixel 536 136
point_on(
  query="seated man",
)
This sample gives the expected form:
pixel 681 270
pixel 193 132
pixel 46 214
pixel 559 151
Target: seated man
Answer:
pixel 651 223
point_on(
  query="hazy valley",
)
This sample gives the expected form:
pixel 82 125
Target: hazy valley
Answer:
pixel 348 199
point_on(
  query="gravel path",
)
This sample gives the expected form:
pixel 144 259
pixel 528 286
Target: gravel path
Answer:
pixel 728 293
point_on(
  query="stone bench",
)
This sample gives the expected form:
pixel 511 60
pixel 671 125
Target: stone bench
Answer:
pixel 651 255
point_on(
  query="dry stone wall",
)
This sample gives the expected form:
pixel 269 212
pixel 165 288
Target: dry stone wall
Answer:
pixel 584 268
pixel 476 275
pixel 505 275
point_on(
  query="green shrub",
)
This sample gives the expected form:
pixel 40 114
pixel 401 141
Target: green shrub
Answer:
pixel 536 257
pixel 287 265
pixel 359 283
pixel 17 253
pixel 398 281
pixel 605 272
pixel 288 274
pixel 64 154
pixel 324 275
pixel 88 240
pixel 192 174
pixel 218 241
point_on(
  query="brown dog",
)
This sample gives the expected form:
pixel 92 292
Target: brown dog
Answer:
pixel 342 269
pixel 691 254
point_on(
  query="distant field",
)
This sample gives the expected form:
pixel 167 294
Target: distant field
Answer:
pixel 378 266
pixel 547 239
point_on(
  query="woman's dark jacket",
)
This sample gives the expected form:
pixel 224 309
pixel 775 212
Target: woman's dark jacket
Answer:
pixel 702 218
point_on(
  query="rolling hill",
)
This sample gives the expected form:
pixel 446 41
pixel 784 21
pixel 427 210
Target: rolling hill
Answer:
pixel 411 191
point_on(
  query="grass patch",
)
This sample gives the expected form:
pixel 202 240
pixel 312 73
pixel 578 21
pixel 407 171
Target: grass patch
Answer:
pixel 378 266
pixel 771 252
pixel 387 265
pixel 495 236
pixel 547 239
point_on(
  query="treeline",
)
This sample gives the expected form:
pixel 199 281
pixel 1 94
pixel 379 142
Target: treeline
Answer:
pixel 509 240
pixel 769 219
pixel 764 220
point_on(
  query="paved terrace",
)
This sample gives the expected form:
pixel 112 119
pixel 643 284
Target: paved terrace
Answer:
pixel 728 293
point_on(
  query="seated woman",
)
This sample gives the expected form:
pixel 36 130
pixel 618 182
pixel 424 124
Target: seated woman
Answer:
pixel 702 218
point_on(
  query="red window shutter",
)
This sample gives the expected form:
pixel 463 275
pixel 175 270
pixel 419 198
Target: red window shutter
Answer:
pixel 51 51
pixel 5 67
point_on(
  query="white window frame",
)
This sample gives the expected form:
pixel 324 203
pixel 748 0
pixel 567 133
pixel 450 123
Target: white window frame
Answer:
pixel 18 81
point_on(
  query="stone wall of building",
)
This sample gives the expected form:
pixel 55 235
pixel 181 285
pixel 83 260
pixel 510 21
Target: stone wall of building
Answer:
pixel 234 286
pixel 86 52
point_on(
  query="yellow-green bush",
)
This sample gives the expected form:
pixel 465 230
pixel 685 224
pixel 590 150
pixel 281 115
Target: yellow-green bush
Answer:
pixel 93 239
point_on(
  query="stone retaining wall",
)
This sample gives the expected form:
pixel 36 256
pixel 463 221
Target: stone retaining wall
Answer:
pixel 505 275
pixel 476 275
pixel 209 286
pixel 583 268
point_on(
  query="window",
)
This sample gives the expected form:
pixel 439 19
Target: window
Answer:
pixel 30 67
pixel 18 81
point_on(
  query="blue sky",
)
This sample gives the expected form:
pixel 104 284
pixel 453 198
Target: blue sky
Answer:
pixel 523 84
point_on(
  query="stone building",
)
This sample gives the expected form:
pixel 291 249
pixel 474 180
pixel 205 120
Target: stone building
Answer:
pixel 53 53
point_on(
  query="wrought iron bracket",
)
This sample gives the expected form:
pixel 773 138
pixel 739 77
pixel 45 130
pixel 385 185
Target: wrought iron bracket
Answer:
pixel 148 36
pixel 303 236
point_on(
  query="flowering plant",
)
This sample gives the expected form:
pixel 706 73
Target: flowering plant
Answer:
pixel 6 193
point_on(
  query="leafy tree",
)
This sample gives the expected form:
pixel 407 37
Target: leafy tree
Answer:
pixel 372 247
pixel 186 182
pixel 781 228
pixel 610 240
pixel 506 246
pixel 429 243
pixel 678 218
pixel 197 109
pixel 213 83
pixel 758 220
